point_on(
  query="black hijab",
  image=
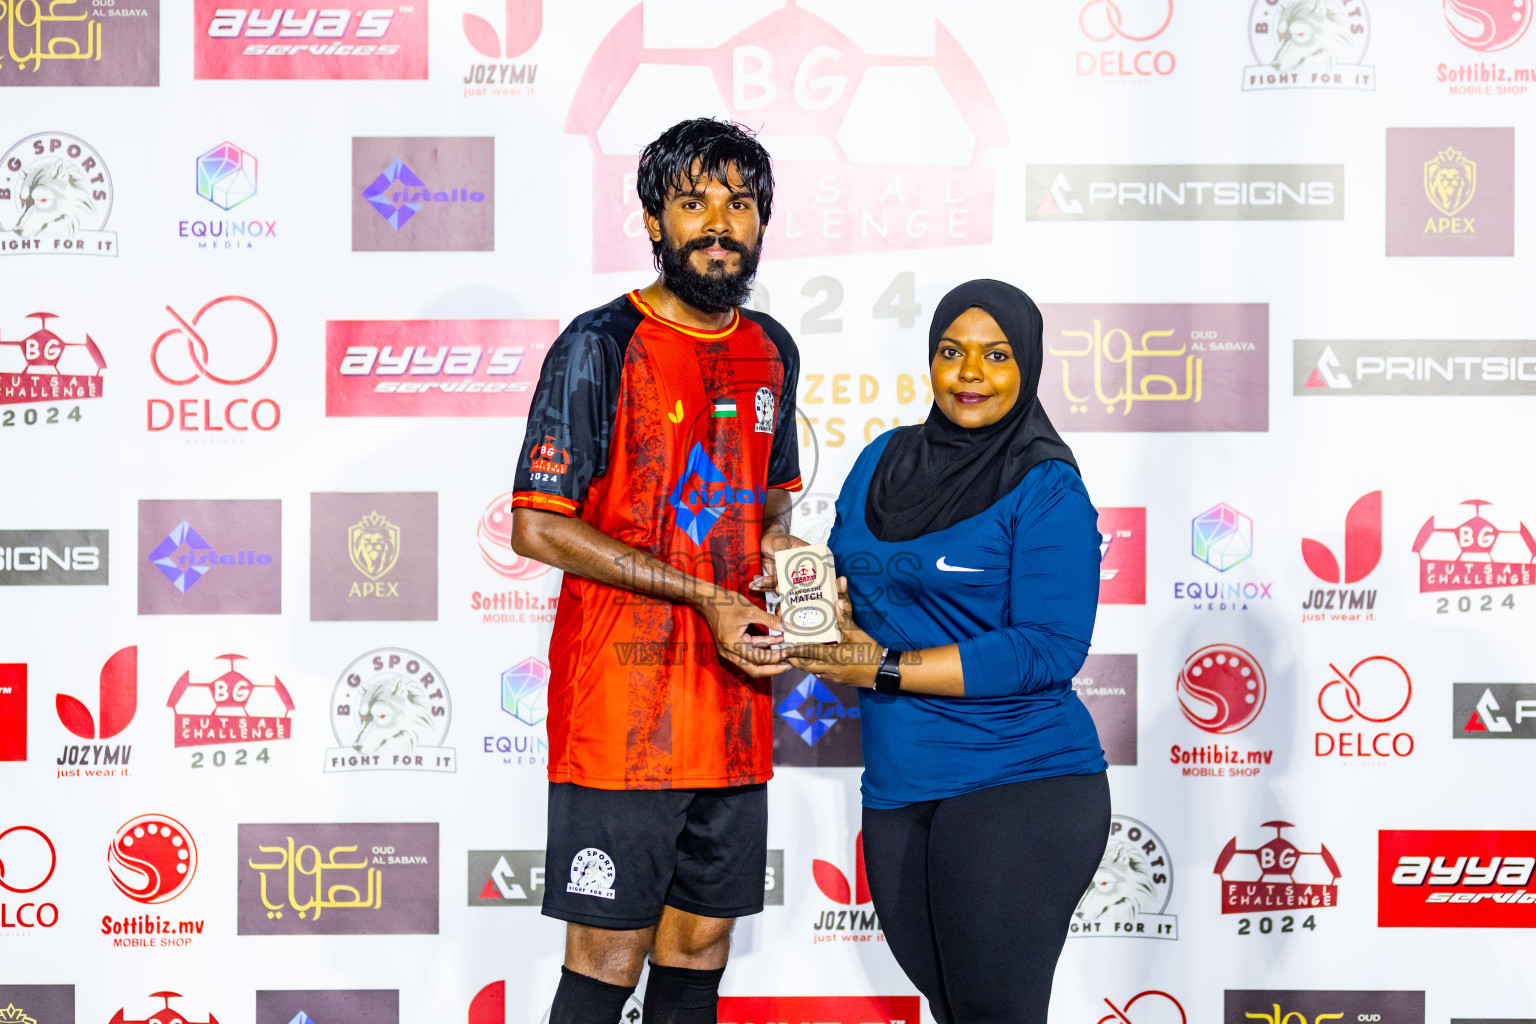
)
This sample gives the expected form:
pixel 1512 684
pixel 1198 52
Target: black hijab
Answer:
pixel 933 475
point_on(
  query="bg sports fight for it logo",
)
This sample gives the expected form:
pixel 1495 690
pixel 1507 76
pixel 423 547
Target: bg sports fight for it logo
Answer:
pixel 55 197
pixel 1130 891
pixel 1309 44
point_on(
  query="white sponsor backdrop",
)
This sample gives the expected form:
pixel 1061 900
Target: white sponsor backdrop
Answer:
pixel 956 101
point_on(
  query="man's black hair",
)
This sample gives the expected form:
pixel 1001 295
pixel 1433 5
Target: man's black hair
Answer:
pixel 667 164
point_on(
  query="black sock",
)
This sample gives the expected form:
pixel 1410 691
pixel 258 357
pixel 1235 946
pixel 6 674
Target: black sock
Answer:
pixel 680 995
pixel 584 1000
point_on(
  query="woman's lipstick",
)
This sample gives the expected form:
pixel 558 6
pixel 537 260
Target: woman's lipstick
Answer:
pixel 970 397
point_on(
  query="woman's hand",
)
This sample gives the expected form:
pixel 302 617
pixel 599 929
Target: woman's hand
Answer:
pixel 852 662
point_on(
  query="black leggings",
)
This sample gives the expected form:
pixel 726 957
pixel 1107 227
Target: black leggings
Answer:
pixel 975 892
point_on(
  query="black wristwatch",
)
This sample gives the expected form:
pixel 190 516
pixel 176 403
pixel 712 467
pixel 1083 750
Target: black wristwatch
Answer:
pixel 888 675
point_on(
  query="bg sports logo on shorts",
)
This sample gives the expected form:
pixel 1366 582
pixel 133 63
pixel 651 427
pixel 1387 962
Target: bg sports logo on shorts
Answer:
pixel 1456 879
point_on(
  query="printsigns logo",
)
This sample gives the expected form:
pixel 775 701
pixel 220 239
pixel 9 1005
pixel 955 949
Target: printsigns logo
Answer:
pixel 890 148
pixel 1157 367
pixel 1106 684
pixel 80 43
pixel 1493 711
pixel 53 558
pixel 1362 553
pixel 373 556
pixel 1487 25
pixel 1277 1007
pixel 1414 368
pixel 1474 554
pixel 230 341
pixel 60 197
pixel 423 194
pixel 390 710
pixel 1131 889
pixel 329 1006
pixel 210 557
pixel 1450 191
pixel 1269 882
pixel 43 367
pixel 1119 27
pixel 1455 879
pixel 506 878
pixel 152 859
pixel 1377 690
pixel 338 879
pixel 118 699
pixel 38 1004
pixel 342 39
pixel 1164 192
pixel 1122 555
pixel 13 712
pixel 1309 44
pixel 434 367
pixel 230 708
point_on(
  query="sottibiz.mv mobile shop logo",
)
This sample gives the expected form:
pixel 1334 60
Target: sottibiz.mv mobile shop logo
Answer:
pixel 1221 691
pixel 889 149
pixel 1455 879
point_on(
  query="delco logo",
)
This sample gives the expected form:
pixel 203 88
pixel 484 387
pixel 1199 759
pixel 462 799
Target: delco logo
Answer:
pixel 330 23
pixel 703 494
pixel 1456 879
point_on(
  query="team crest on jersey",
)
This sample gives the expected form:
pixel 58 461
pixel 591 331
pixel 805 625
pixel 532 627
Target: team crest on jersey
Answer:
pixel 764 406
pixel 592 874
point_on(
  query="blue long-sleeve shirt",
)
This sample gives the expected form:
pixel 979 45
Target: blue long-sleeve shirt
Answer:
pixel 1017 588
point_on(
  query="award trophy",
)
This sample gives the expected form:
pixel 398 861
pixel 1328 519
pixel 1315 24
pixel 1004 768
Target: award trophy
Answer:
pixel 808 595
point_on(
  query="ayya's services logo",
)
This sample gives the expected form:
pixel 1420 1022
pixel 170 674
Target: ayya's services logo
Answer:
pixel 341 39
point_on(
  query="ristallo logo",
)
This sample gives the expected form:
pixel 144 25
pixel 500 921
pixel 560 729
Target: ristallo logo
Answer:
pixel 702 495
pixel 1275 877
pixel 1493 711
pixel 1455 879
pixel 1474 554
pixel 1362 553
pixel 1130 891
pixel 220 557
pixel 1375 692
pixel 815 723
pixel 522 21
pixel 1125 32
pixel 1309 44
pixel 28 860
pixel 434 367
pixel 342 39
pixel 13 712
pixel 230 341
pixel 890 151
pixel 424 194
pixel 855 920
pixel 60 196
pixel 117 700
pixel 1451 191
pixel 45 367
pixel 1291 1006
pixel 1122 555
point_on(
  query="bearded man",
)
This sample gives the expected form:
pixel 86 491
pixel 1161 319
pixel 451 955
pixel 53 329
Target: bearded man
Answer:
pixel 657 472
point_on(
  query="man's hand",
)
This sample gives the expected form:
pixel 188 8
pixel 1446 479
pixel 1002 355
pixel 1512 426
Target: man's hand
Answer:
pixel 853 661
pixel 775 539
pixel 730 616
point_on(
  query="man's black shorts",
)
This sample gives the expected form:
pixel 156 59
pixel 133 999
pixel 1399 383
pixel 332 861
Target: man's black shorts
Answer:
pixel 617 856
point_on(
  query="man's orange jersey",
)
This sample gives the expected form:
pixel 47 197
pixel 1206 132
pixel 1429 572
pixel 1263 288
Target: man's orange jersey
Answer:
pixel 666 438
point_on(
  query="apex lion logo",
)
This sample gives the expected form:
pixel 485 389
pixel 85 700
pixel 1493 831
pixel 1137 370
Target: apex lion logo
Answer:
pixel 1450 181
pixel 395 713
pixel 55 197
pixel 1312 32
pixel 373 543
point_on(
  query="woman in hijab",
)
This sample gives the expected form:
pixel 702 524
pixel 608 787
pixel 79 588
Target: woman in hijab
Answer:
pixel 971 554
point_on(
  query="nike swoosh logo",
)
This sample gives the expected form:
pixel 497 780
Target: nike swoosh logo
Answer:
pixel 944 566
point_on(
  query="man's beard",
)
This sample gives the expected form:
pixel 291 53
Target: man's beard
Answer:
pixel 717 290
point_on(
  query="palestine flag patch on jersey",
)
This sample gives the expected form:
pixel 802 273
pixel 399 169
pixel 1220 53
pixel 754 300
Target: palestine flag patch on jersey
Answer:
pixel 725 407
